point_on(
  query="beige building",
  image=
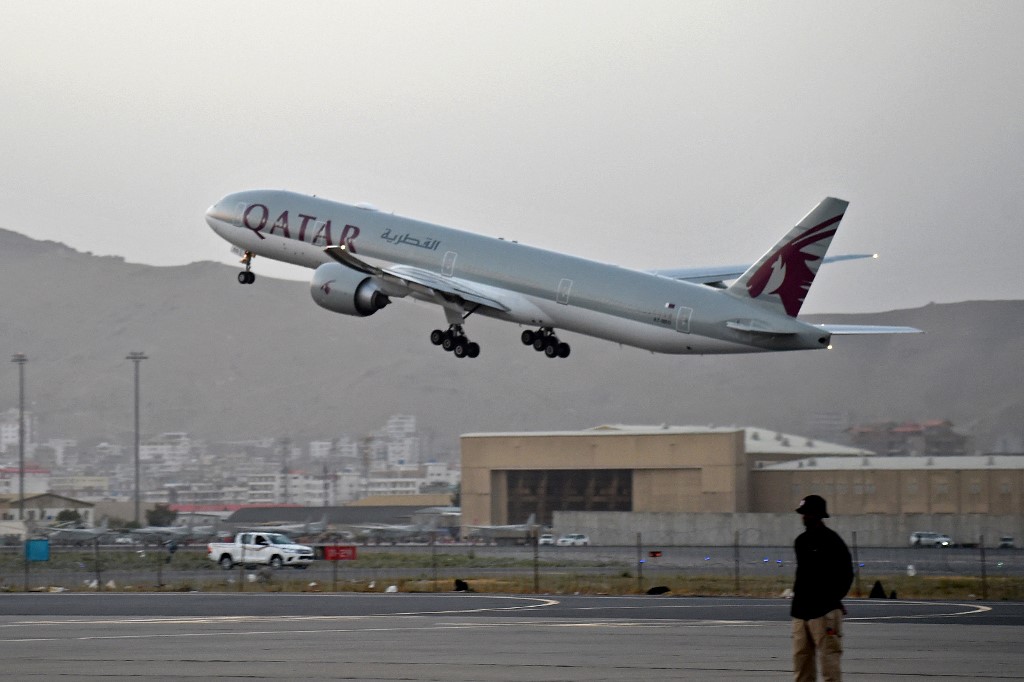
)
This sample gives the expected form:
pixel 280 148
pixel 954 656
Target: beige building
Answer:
pixel 679 470
pixel 992 484
pixel 506 477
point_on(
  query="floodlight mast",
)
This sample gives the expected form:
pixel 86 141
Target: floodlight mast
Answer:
pixel 137 357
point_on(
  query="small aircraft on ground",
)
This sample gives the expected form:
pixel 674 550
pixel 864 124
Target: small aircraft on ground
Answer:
pixel 70 533
pixel 491 532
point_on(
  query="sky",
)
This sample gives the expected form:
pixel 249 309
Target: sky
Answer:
pixel 646 134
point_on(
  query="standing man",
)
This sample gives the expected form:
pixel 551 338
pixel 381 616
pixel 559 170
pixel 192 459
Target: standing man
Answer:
pixel 824 572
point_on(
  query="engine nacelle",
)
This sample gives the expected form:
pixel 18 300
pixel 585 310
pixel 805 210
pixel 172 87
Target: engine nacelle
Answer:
pixel 343 290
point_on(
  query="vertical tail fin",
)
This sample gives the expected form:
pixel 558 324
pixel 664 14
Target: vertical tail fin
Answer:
pixel 783 276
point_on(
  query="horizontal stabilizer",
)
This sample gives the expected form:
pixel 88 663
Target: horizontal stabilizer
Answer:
pixel 718 276
pixel 856 329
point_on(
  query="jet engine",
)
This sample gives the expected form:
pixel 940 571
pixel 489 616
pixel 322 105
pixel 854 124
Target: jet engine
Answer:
pixel 341 289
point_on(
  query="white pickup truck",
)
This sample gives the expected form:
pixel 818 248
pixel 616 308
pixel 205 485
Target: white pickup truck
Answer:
pixel 254 548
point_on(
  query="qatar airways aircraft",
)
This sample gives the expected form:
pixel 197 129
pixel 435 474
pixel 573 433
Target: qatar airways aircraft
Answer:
pixel 363 258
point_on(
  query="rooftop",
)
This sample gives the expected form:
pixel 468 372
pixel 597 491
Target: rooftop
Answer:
pixel 954 463
pixel 757 440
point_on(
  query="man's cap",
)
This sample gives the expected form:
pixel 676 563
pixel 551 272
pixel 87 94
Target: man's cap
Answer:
pixel 813 505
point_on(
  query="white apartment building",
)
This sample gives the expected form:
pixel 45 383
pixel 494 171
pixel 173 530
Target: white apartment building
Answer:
pixel 166 454
pixel 81 487
pixel 37 481
pixel 9 430
pixel 403 452
pixel 320 449
pixel 400 426
pixel 306 490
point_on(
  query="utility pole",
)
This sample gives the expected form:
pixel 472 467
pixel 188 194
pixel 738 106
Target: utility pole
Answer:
pixel 20 359
pixel 137 357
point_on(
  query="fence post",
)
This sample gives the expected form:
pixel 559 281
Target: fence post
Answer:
pixel 856 567
pixel 984 579
pixel 639 564
pixel 736 558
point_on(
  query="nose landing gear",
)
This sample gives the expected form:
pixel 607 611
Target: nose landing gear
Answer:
pixel 544 339
pixel 247 276
pixel 454 341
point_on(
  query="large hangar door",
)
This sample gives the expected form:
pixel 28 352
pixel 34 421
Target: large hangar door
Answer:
pixel 543 492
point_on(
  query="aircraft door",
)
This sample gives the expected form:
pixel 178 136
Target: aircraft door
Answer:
pixel 683 320
pixel 564 287
pixel 448 267
pixel 238 214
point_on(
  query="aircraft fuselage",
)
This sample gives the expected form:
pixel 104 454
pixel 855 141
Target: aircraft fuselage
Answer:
pixel 539 287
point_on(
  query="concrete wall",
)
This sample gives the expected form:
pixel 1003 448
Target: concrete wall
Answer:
pixel 714 530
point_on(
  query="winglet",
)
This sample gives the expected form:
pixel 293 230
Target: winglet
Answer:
pixel 783 276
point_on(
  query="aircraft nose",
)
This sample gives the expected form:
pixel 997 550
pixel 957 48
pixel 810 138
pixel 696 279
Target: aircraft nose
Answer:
pixel 219 217
pixel 212 214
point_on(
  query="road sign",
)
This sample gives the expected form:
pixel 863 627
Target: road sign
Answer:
pixel 37 550
pixel 340 552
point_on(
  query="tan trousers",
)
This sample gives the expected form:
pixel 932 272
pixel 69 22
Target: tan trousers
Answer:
pixel 818 637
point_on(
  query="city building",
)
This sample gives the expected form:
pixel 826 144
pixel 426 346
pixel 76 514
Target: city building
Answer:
pixel 44 508
pixel 670 470
pixel 10 426
pixel 935 438
pixel 37 480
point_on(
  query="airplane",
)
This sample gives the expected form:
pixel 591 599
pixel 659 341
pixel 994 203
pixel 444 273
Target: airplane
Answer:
pixel 489 532
pixel 393 533
pixel 168 534
pixel 296 529
pixel 67 532
pixel 363 258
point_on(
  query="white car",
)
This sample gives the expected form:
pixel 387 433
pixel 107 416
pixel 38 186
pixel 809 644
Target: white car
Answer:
pixel 573 540
pixel 546 539
pixel 929 539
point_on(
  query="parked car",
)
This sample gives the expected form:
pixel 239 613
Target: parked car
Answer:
pixel 929 539
pixel 546 539
pixel 1006 542
pixel 573 540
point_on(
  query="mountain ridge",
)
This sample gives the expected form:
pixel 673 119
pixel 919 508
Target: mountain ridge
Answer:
pixel 231 362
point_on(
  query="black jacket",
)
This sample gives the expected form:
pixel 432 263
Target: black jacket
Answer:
pixel 824 572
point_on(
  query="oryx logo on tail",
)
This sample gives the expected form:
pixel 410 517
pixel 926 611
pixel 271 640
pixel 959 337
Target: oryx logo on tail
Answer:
pixel 783 276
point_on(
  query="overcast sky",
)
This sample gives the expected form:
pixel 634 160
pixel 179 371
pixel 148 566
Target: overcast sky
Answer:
pixel 645 134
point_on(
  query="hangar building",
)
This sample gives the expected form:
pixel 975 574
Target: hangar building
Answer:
pixel 659 470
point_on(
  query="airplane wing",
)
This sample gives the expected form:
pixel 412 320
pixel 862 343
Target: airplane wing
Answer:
pixel 425 284
pixel 718 275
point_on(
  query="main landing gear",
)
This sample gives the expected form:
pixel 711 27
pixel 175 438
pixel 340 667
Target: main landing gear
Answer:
pixel 544 339
pixel 247 276
pixel 454 341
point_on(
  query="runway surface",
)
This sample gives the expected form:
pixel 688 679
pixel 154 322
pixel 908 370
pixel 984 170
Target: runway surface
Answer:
pixel 85 636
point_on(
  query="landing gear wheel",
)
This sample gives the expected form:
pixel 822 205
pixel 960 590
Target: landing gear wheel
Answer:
pixel 539 342
pixel 246 277
pixel 527 337
pixel 551 348
pixel 563 350
pixel 454 341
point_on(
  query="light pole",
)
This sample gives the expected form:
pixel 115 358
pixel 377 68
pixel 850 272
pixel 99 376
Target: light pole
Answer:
pixel 21 360
pixel 137 357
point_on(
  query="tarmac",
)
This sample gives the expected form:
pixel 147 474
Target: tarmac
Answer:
pixel 475 637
